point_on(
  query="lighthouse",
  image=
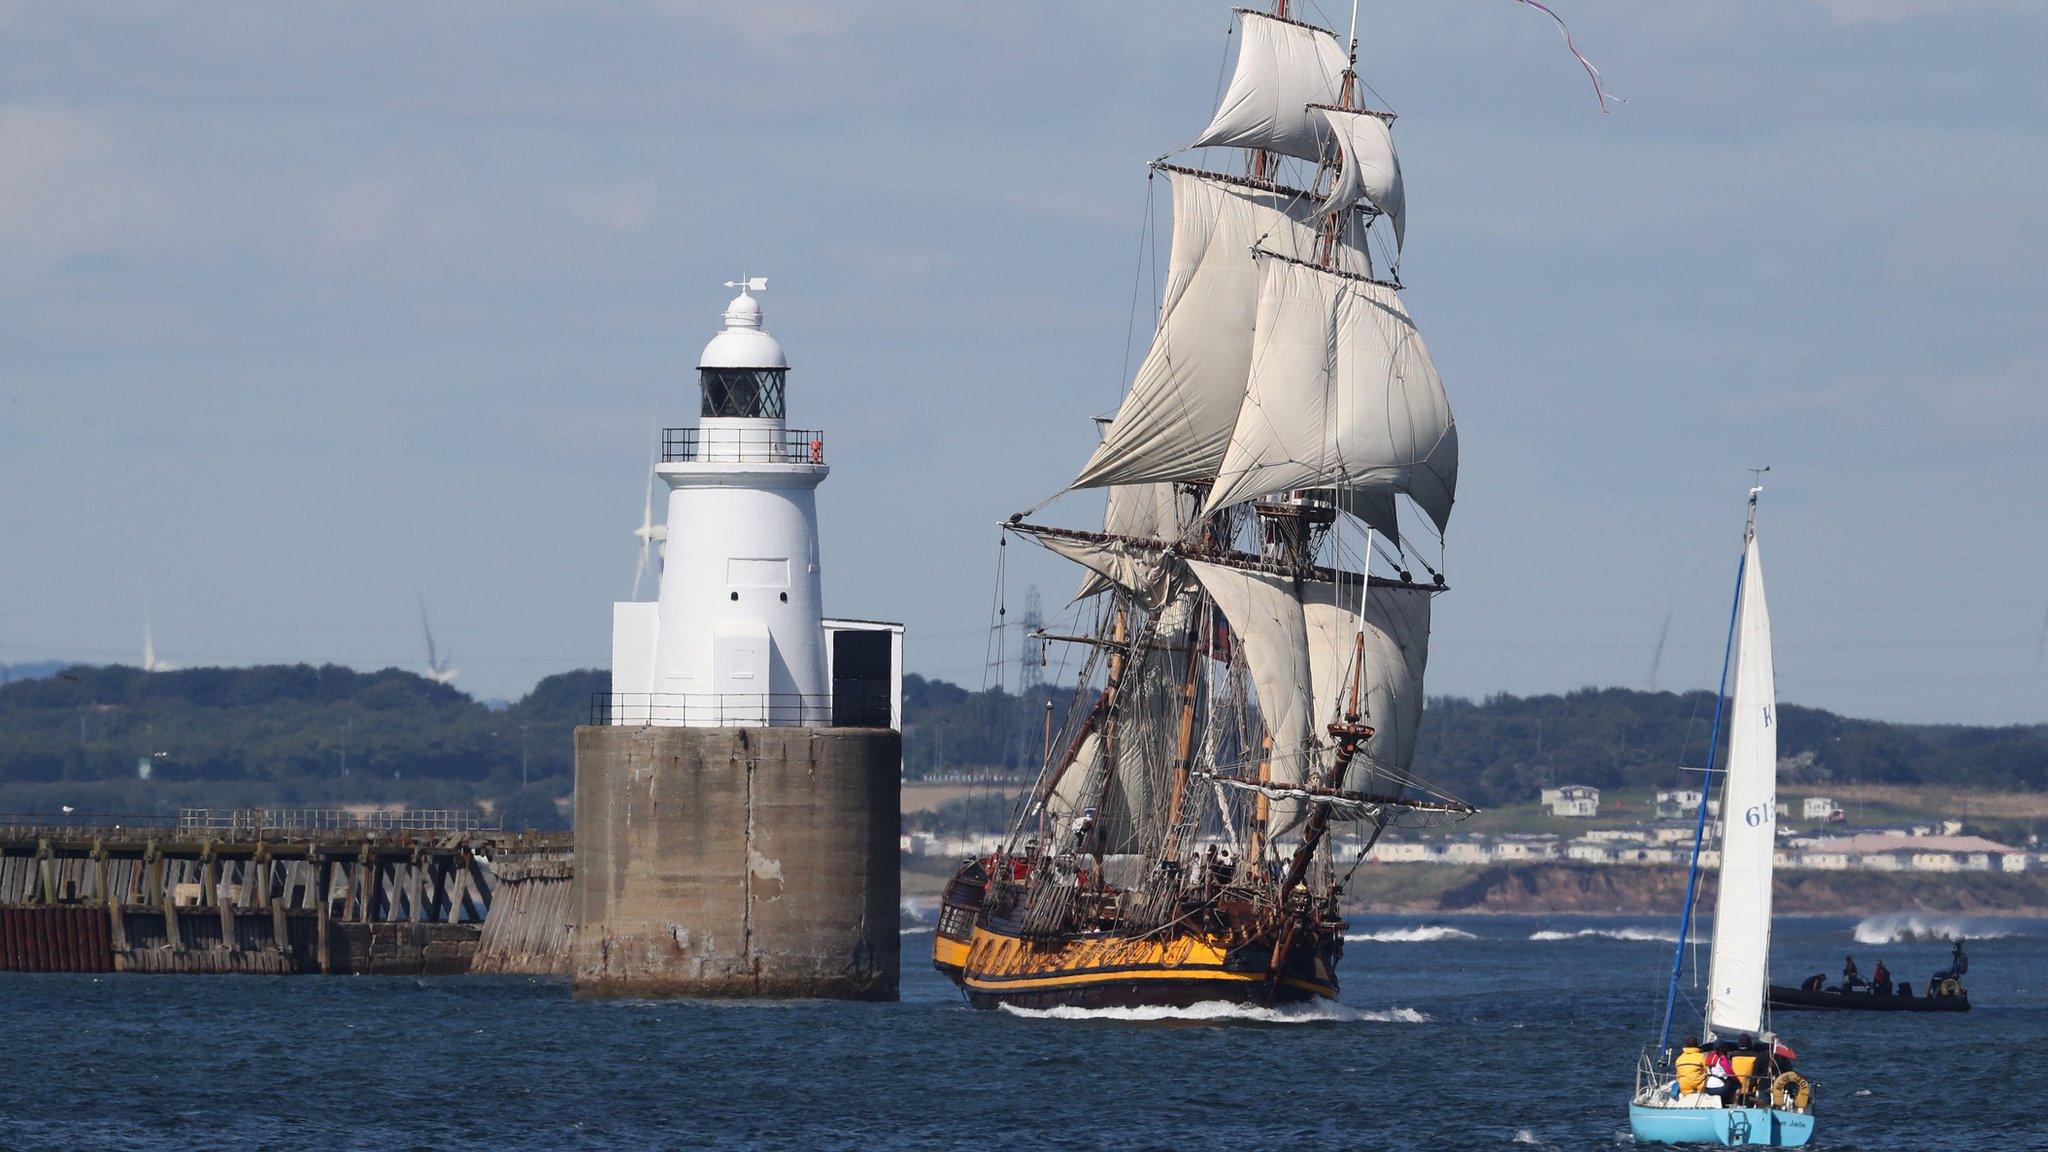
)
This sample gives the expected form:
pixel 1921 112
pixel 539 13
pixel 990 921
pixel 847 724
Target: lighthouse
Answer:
pixel 739 634
pixel 738 788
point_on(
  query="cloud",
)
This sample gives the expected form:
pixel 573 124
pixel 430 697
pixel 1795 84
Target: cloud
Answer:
pixel 1900 11
pixel 67 190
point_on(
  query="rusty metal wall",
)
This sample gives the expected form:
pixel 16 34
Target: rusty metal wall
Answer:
pixel 56 939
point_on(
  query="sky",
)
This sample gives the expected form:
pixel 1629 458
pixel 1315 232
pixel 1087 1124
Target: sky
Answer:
pixel 307 311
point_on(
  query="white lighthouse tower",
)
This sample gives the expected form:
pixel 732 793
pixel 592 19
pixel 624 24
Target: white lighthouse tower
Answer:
pixel 739 794
pixel 737 637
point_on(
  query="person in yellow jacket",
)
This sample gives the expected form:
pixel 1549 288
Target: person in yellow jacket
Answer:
pixel 1692 1068
pixel 1744 1061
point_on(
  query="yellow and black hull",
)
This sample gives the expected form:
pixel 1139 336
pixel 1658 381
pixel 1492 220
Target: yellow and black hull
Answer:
pixel 1112 970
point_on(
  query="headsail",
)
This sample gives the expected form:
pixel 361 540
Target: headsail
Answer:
pixel 1738 972
pixel 1283 66
pixel 1342 394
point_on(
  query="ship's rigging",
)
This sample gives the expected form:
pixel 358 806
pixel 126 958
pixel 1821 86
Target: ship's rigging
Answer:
pixel 1250 686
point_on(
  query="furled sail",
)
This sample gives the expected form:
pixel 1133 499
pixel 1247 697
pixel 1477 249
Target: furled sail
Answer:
pixel 1371 170
pixel 1175 422
pixel 1739 969
pixel 1283 66
pixel 1266 623
pixel 1342 394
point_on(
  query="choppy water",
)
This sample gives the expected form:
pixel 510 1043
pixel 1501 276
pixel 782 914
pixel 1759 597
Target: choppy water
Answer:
pixel 1482 1037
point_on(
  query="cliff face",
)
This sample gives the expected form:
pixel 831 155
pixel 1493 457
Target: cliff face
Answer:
pixel 1590 890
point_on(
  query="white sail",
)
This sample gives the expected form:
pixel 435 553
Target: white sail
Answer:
pixel 1282 68
pixel 1374 509
pixel 1396 631
pixel 1738 972
pixel 1396 655
pixel 1143 511
pixel 1175 422
pixel 1266 623
pixel 1116 798
pixel 1135 566
pixel 1343 394
pixel 1371 170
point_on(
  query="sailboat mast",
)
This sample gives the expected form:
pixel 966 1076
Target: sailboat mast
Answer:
pixel 1699 831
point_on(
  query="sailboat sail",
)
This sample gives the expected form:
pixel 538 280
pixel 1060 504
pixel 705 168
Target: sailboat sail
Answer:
pixel 1738 972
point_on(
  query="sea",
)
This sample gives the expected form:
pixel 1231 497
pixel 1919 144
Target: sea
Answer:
pixel 1496 1032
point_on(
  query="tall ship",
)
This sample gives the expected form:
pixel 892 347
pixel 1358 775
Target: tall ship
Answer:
pixel 1252 635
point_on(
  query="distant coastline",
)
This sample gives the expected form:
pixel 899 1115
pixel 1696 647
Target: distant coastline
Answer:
pixel 1589 890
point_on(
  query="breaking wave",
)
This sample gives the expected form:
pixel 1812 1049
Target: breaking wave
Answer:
pixel 1909 929
pixel 914 930
pixel 1220 1011
pixel 1423 934
pixel 1640 935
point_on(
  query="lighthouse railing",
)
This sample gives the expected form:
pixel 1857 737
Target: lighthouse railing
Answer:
pixel 739 710
pixel 742 446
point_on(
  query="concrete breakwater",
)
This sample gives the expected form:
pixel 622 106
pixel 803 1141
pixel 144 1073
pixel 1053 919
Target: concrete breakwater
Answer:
pixel 265 901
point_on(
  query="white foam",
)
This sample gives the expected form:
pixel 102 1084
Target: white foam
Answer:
pixel 1908 928
pixel 916 931
pixel 1640 935
pixel 1319 1012
pixel 1423 934
pixel 1524 1136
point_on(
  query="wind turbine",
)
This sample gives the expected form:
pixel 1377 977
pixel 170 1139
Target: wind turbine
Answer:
pixel 437 665
pixel 649 532
pixel 1657 658
pixel 149 661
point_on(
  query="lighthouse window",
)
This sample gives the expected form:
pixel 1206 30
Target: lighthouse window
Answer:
pixel 751 392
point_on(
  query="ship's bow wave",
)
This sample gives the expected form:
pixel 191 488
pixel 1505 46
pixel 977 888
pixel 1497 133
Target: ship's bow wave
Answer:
pixel 1219 1011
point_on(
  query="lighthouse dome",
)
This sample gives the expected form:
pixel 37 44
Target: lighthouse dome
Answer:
pixel 743 344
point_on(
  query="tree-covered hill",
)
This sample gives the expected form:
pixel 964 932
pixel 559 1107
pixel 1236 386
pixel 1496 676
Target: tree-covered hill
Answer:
pixel 299 734
pixel 285 734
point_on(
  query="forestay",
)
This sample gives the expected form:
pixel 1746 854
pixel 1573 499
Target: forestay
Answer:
pixel 1282 68
pixel 1342 394
pixel 1738 971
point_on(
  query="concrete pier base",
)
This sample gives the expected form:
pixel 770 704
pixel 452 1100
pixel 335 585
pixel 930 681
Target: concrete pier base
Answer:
pixel 737 862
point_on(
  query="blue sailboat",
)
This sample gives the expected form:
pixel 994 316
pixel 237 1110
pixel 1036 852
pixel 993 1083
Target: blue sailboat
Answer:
pixel 1761 1102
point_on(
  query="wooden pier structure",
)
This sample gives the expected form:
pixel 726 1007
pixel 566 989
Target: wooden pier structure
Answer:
pixel 282 892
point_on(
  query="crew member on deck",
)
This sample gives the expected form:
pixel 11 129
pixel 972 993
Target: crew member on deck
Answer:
pixel 1691 1067
pixel 1743 1063
pixel 1881 979
pixel 1720 1076
pixel 1850 976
